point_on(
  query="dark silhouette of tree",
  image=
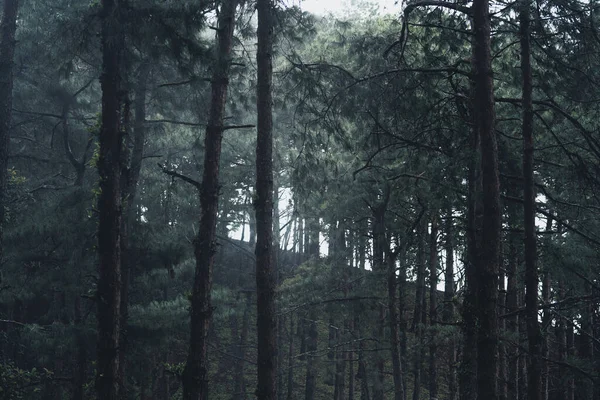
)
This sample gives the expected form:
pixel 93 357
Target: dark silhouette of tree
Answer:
pixel 265 268
pixel 8 27
pixel 109 203
pixel 195 374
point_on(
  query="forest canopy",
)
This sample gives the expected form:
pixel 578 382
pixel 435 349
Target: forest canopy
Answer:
pixel 241 199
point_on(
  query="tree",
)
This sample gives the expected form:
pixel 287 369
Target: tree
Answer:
pixel 489 262
pixel 534 334
pixel 195 374
pixel 109 203
pixel 265 269
pixel 8 27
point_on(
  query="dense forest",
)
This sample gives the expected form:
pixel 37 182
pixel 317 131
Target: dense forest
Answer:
pixel 228 199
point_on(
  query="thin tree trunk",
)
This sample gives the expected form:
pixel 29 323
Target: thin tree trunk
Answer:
pixel 379 248
pixel 290 376
pixel 402 320
pixel 502 347
pixel 311 359
pixel 265 271
pixel 512 322
pixel 561 339
pixel 394 325
pixel 351 376
pixel 546 323
pixel 433 264
pixel 570 353
pixel 419 317
pixel 8 28
pixel 449 312
pixel 130 177
pixel 195 374
pixel 239 378
pixel 534 335
pixel 468 367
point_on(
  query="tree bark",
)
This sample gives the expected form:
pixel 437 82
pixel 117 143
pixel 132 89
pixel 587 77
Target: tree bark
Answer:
pixel 512 322
pixel 468 367
pixel 394 325
pixel 195 374
pixel 433 262
pixel 379 248
pixel 8 28
pixel 290 376
pixel 534 334
pixel 109 205
pixel 420 316
pixel 488 266
pixel 311 359
pixel 265 271
pixel 449 312
pixel 130 177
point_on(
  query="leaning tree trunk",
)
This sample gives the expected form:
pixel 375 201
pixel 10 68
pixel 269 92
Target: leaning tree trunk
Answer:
pixel 109 206
pixel 534 334
pixel 7 52
pixel 488 265
pixel 265 271
pixel 195 373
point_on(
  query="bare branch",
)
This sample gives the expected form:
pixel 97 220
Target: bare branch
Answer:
pixel 184 178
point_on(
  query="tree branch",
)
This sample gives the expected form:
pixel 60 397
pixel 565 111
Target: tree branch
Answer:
pixel 184 178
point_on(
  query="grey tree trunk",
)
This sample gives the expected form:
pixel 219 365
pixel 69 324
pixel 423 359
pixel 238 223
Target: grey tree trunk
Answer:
pixel 109 205
pixel 8 28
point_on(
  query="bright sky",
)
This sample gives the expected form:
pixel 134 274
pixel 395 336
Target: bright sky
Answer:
pixel 323 7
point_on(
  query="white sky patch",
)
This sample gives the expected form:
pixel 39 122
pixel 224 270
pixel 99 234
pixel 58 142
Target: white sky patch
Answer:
pixel 346 7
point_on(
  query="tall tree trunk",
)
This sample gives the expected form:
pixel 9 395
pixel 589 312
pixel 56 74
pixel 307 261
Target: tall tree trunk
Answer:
pixel 290 371
pixel 468 366
pixel 240 380
pixel 561 339
pixel 195 373
pixel 449 312
pixel 379 248
pixel 546 323
pixel 488 267
pixel 586 344
pixel 265 272
pixel 402 320
pixel 394 325
pixel 311 358
pixel 433 263
pixel 512 322
pixel 534 335
pixel 502 346
pixel 109 205
pixel 8 27
pixel 130 177
pixel 419 317
pixel 570 353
